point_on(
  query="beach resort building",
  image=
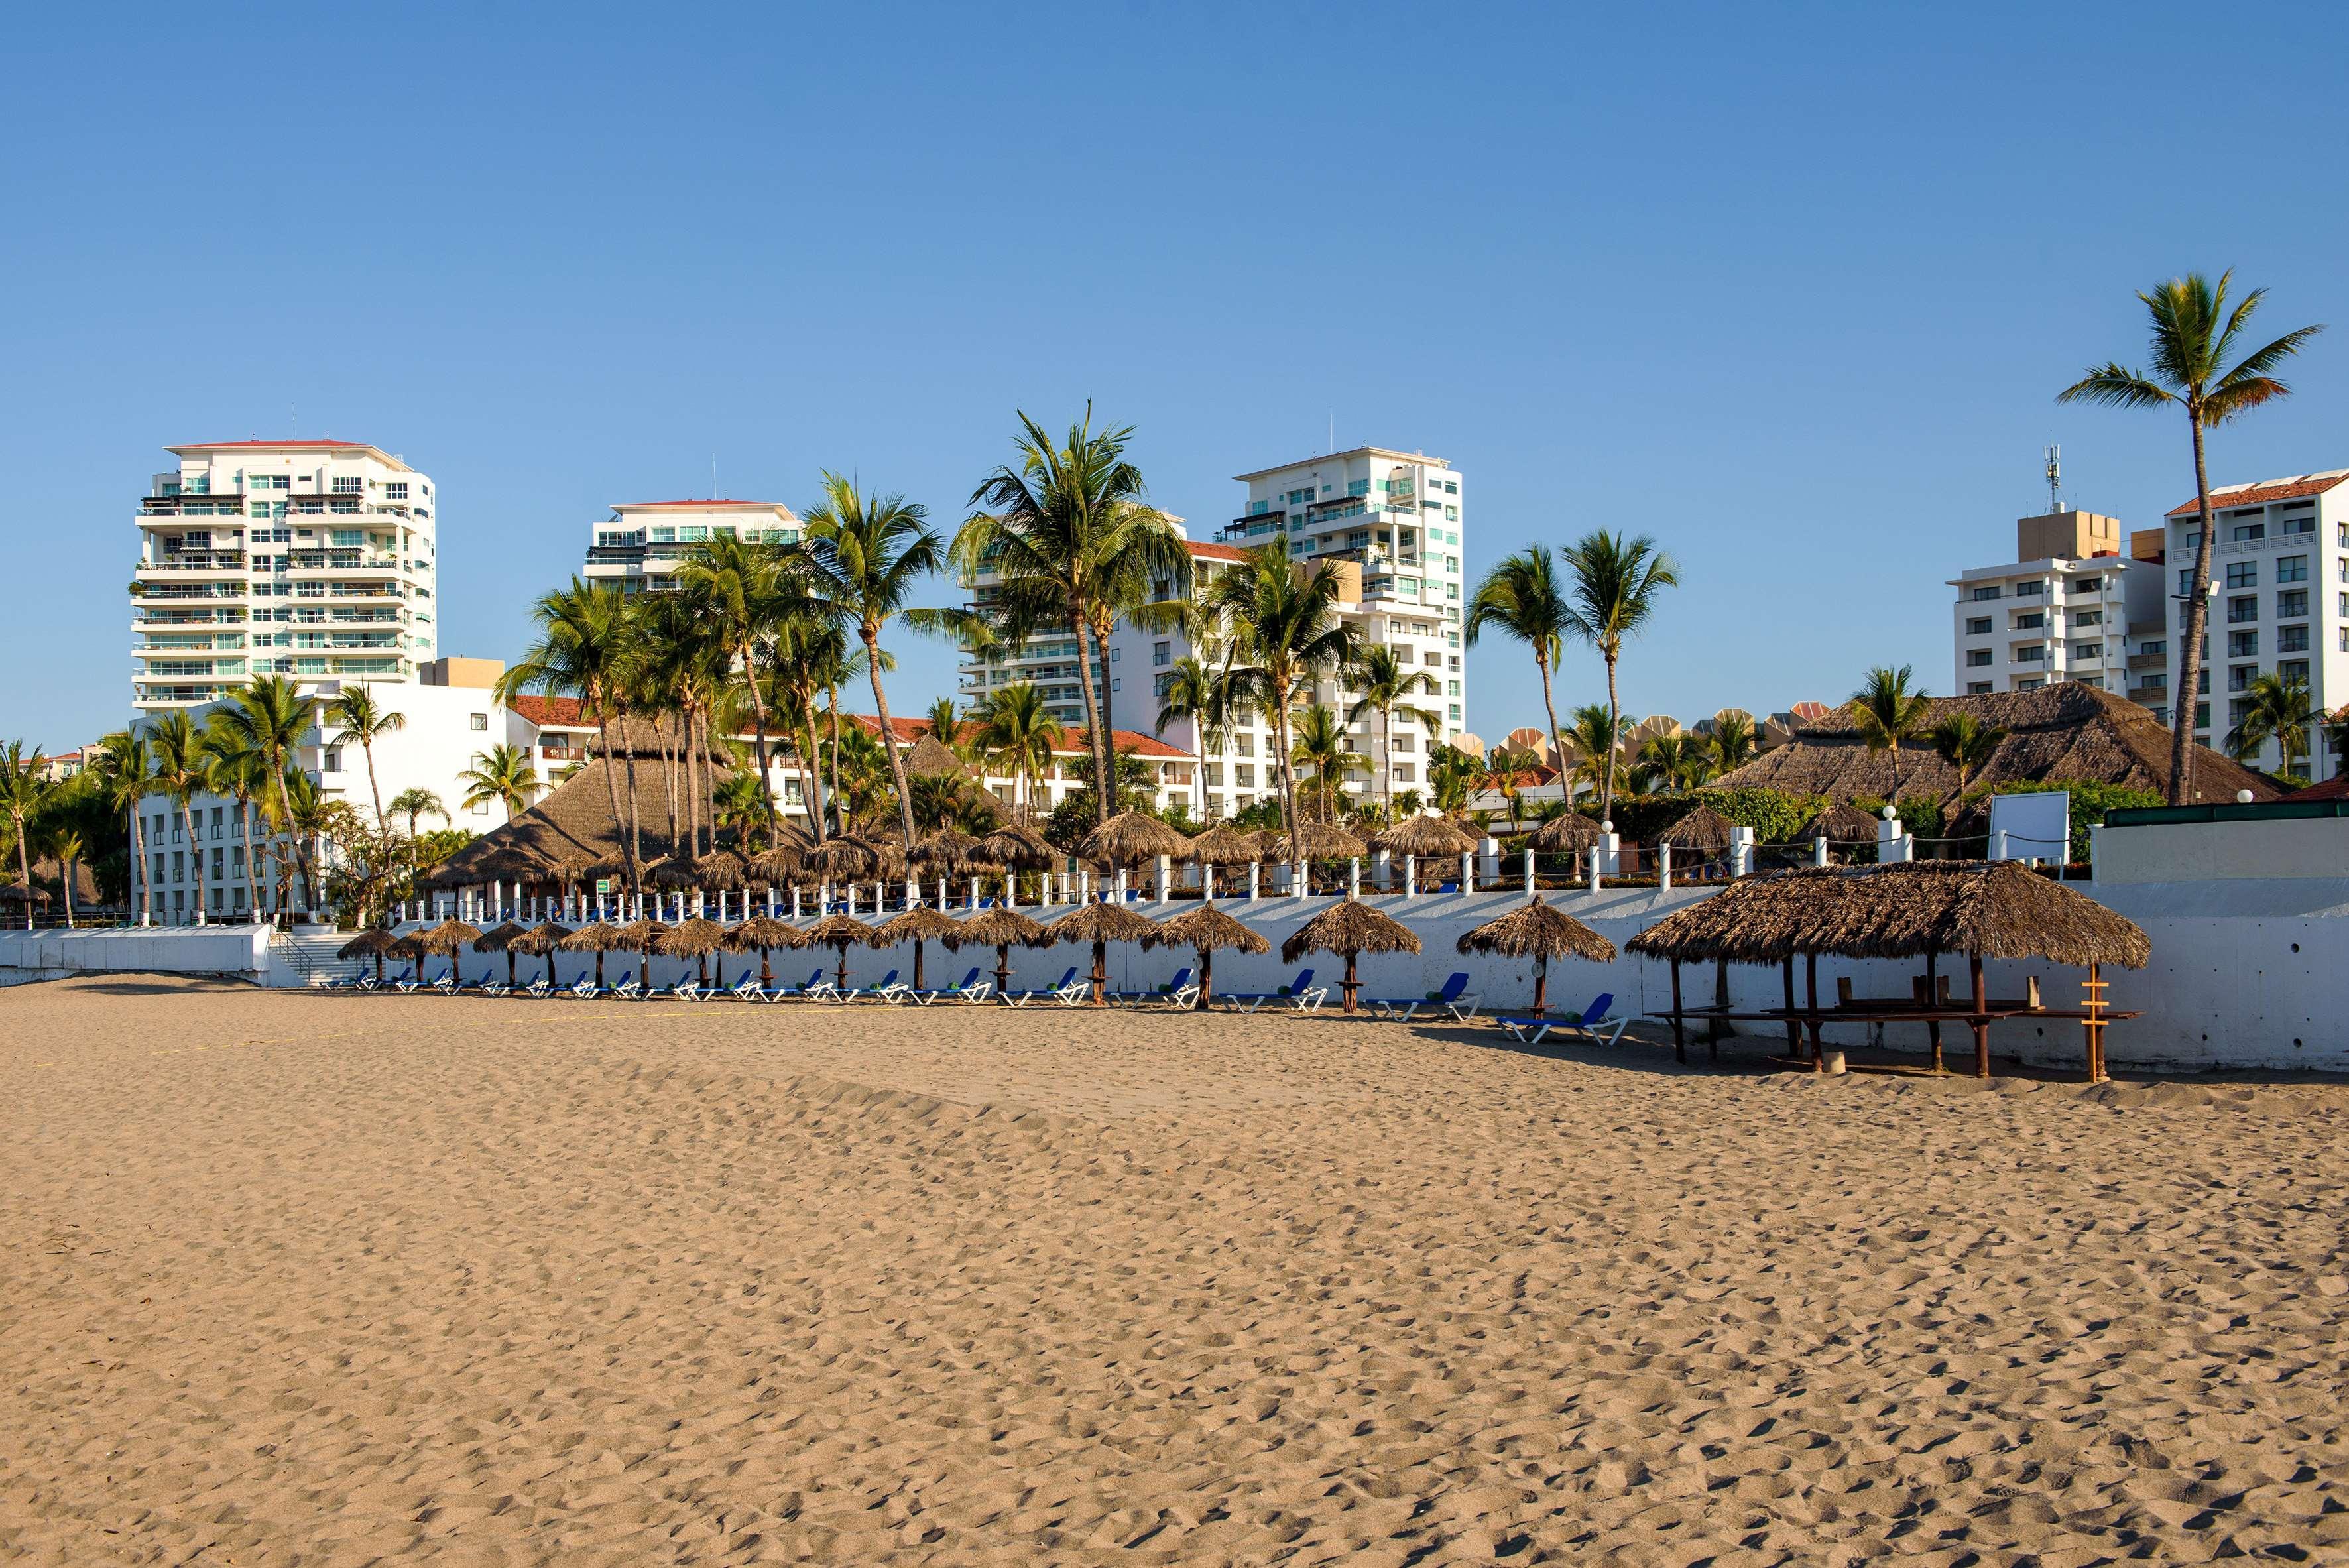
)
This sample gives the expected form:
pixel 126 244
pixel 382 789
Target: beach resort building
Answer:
pixel 640 545
pixel 316 560
pixel 2279 599
pixel 2061 611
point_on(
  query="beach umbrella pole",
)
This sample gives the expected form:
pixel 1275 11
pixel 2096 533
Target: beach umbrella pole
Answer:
pixel 1679 1045
pixel 1002 968
pixel 1933 1000
pixel 1100 970
pixel 1811 990
pixel 1350 985
pixel 1206 977
pixel 1981 1025
pixel 1541 985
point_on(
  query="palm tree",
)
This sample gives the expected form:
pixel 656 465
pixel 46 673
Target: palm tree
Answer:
pixel 862 556
pixel 1523 597
pixel 180 770
pixel 71 848
pixel 416 801
pixel 270 715
pixel 1889 711
pixel 357 715
pixel 1616 583
pixel 123 765
pixel 1286 633
pixel 1680 760
pixel 1451 774
pixel 1018 733
pixel 1965 743
pixel 23 790
pixel 683 667
pixel 1322 746
pixel 945 726
pixel 503 774
pixel 2336 735
pixel 2277 710
pixel 1070 542
pixel 1196 690
pixel 804 644
pixel 236 769
pixel 738 587
pixel 1732 741
pixel 308 813
pixel 1387 686
pixel 586 648
pixel 1587 746
pixel 2193 333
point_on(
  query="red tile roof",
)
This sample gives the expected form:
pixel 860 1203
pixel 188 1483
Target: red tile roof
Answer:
pixel 640 505
pixel 1217 552
pixel 2264 491
pixel 562 713
pixel 550 712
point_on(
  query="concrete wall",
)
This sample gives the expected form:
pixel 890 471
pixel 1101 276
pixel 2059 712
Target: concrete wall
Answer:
pixel 2242 849
pixel 233 952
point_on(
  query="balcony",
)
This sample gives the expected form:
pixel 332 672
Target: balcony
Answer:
pixel 2148 661
pixel 219 561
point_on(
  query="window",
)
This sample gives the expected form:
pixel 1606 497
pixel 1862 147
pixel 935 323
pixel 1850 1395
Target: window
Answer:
pixel 1357 487
pixel 2244 532
pixel 1984 594
pixel 1161 652
pixel 2244 575
pixel 2087 650
pixel 2155 679
pixel 395 490
pixel 480 720
pixel 1451 688
pixel 2243 644
pixel 2030 656
pixel 2184 583
pixel 1456 713
pixel 2029 590
pixel 2238 676
pixel 2291 526
pixel 343 538
pixel 2031 683
pixel 1116 685
pixel 333 760
pixel 219 815
pixel 350 486
pixel 481 808
pixel 2088 617
pixel 266 481
pixel 2292 639
pixel 2030 622
pixel 1978 625
pixel 2153 646
pixel 1452 514
pixel 1978 688
pixel 342 507
pixel 2291 670
pixel 1978 658
pixel 2293 602
pixel 2087 584
pixel 2291 569
pixel 1405 772
pixel 2245 608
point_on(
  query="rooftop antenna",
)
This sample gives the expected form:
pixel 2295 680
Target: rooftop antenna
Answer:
pixel 2054 480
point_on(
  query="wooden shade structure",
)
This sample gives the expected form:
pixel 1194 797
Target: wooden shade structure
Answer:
pixel 784 863
pixel 1349 928
pixel 1221 846
pixel 946 852
pixel 919 924
pixel 643 938
pixel 1567 833
pixel 722 869
pixel 501 938
pixel 696 939
pixel 1316 841
pixel 1427 838
pixel 1982 909
pixel 1841 823
pixel 1132 839
pixel 845 859
pixel 542 941
pixel 444 941
pixel 373 943
pixel 1015 846
pixel 763 934
pixel 1206 930
pixel 839 932
pixel 1101 924
pixel 1541 932
pixel 1000 929
pixel 1703 829
pixel 599 937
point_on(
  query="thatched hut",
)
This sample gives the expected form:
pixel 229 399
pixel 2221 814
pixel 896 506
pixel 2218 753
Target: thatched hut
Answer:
pixel 1132 839
pixel 1426 837
pixel 1704 830
pixel 1541 932
pixel 542 941
pixel 946 852
pixel 499 938
pixel 1349 928
pixel 845 858
pixel 599 937
pixel 1015 846
pixel 1567 833
pixel 763 934
pixel 446 940
pixel 1000 929
pixel 1206 930
pixel 1221 846
pixel 696 938
pixel 839 932
pixel 721 869
pixel 643 938
pixel 1101 924
pixel 1841 823
pixel 919 924
pixel 374 942
pixel 409 949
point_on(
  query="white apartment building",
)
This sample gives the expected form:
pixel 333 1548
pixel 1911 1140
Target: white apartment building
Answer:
pixel 316 560
pixel 641 543
pixel 1388 521
pixel 2278 599
pixel 2061 612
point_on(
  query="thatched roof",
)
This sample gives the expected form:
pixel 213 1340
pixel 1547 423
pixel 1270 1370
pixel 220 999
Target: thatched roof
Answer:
pixel 499 937
pixel 1316 841
pixel 486 861
pixel 367 943
pixel 1998 909
pixel 1703 828
pixel 920 924
pixel 764 933
pixel 409 948
pixel 839 931
pixel 1015 846
pixel 1221 846
pixel 446 937
pixel 2064 731
pixel 720 869
pixel 932 758
pixel 643 935
pixel 569 833
pixel 1426 837
pixel 1206 928
pixel 946 851
pixel 1842 822
pixel 596 936
pixel 1570 833
pixel 50 871
pixel 1103 923
pixel 19 892
pixel 693 938
pixel 541 940
pixel 1539 930
pixel 848 858
pixel 1130 838
pixel 1349 925
pixel 782 863
pixel 999 928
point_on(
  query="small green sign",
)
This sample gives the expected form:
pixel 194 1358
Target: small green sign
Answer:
pixel 602 886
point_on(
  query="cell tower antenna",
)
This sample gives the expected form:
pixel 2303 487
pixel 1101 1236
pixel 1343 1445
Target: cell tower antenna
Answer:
pixel 2055 478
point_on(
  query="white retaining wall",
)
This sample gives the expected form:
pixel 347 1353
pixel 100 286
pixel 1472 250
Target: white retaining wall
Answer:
pixel 231 952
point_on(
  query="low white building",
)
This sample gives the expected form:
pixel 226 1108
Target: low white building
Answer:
pixel 639 547
pixel 2060 611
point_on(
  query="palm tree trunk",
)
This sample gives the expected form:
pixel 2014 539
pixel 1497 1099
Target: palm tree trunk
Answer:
pixel 147 882
pixel 25 872
pixel 1549 706
pixel 2198 621
pixel 889 735
pixel 367 747
pixel 832 802
pixel 1280 762
pixel 759 736
pixel 1614 740
pixel 1102 794
pixel 810 772
pixel 1108 715
pixel 195 848
pixel 252 871
pixel 277 762
pixel 668 788
pixel 611 781
pixel 66 889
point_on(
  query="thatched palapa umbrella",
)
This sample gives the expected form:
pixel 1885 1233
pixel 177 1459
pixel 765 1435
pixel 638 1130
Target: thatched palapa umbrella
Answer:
pixel 696 939
pixel 500 939
pixel 917 926
pixel 372 942
pixel 839 932
pixel 999 929
pixel 409 949
pixel 1204 930
pixel 1319 842
pixel 1349 928
pixel 1426 837
pixel 1132 839
pixel 599 937
pixel 1221 846
pixel 1703 829
pixel 445 940
pixel 1101 924
pixel 763 933
pixel 720 870
pixel 1540 932
pixel 643 938
pixel 542 942
pixel 946 852
pixel 1841 823
pixel 1567 833
pixel 1015 846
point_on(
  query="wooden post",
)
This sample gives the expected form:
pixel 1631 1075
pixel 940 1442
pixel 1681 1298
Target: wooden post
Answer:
pixel 1933 1001
pixel 1794 1029
pixel 2093 1025
pixel 1100 970
pixel 1680 1044
pixel 1811 989
pixel 1714 1026
pixel 1981 1024
pixel 1207 975
pixel 1350 984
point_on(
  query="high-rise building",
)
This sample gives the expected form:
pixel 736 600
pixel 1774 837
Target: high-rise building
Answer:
pixel 310 559
pixel 2278 600
pixel 638 547
pixel 2060 610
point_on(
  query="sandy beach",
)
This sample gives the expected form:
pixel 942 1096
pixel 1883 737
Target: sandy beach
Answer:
pixel 336 1281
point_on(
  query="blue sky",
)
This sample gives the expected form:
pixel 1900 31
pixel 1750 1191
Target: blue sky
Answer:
pixel 1790 288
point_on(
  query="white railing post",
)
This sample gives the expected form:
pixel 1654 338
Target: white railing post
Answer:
pixel 1740 850
pixel 1665 867
pixel 1165 878
pixel 1891 844
pixel 852 901
pixel 1300 880
pixel 1382 871
pixel 1354 877
pixel 1488 861
pixel 1594 868
pixel 1819 851
pixel 1468 872
pixel 1410 877
pixel 1530 873
pixel 1255 880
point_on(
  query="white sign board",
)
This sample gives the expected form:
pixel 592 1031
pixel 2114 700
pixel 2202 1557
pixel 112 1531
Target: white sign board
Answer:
pixel 2031 827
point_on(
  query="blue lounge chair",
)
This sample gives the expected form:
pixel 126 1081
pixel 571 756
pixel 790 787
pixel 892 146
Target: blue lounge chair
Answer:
pixel 1594 1026
pixel 888 984
pixel 1178 991
pixel 783 993
pixel 1455 998
pixel 1069 990
pixel 1300 994
pixel 972 989
pixel 745 989
pixel 586 990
